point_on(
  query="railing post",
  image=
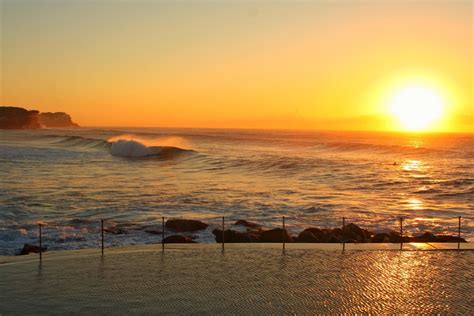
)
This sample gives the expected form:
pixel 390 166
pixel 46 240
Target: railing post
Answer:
pixel 102 235
pixel 223 233
pixel 343 228
pixel 283 233
pixel 401 233
pixel 162 234
pixel 459 232
pixel 40 235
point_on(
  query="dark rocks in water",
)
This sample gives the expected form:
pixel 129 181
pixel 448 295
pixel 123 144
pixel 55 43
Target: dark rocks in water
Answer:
pixel 380 237
pixel 232 236
pixel 447 238
pixel 353 232
pixel 178 239
pixel 307 236
pixel 333 239
pixel 243 222
pixel 185 225
pixel 18 118
pixel 426 237
pixel 275 235
pixel 56 119
pixel 430 237
pixel 29 248
pixel 394 237
pixel 311 234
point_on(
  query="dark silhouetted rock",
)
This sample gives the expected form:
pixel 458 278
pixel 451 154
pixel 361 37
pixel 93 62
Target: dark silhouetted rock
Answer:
pixel 332 235
pixel 18 118
pixel 394 237
pixel 426 237
pixel 430 237
pixel 380 237
pixel 243 222
pixel 185 225
pixel 276 235
pixel 354 232
pixel 447 238
pixel 333 239
pixel 29 248
pixel 232 236
pixel 177 239
pixel 311 234
pixel 56 119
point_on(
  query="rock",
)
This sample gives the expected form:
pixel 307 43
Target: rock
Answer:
pixel 333 239
pixel 336 232
pixel 394 237
pixel 243 222
pixel 56 119
pixel 178 239
pixel 18 118
pixel 430 237
pixel 185 225
pixel 232 236
pixel 352 231
pixel 311 234
pixel 306 236
pixel 380 237
pixel 29 248
pixel 425 237
pixel 276 235
pixel 447 238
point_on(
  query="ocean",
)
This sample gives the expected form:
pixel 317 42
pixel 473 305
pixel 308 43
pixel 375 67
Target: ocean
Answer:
pixel 70 179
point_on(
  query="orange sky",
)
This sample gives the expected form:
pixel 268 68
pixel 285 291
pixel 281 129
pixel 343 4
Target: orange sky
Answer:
pixel 258 64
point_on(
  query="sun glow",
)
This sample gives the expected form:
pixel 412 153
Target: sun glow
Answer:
pixel 417 107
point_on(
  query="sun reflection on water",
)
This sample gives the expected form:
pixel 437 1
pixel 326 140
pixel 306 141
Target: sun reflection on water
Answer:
pixel 413 165
pixel 415 204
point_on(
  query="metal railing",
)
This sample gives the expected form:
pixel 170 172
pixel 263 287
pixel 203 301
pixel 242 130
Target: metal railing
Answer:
pixel 103 231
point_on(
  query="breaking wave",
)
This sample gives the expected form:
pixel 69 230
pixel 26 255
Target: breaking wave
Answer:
pixel 125 145
pixel 135 149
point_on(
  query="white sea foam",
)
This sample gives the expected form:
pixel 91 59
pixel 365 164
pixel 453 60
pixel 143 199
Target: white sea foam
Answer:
pixel 130 148
pixel 136 149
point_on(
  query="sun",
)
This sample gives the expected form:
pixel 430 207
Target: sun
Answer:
pixel 417 107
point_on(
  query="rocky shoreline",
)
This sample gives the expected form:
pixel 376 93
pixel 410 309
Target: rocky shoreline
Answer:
pixel 12 117
pixel 350 233
pixel 183 230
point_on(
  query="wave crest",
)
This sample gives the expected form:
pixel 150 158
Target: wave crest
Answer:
pixel 135 149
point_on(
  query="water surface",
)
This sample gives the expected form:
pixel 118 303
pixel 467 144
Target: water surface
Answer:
pixel 77 177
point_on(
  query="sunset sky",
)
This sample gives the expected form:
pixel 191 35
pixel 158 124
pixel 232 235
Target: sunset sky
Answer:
pixel 253 64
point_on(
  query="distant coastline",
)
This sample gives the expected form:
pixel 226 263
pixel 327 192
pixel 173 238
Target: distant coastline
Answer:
pixel 12 117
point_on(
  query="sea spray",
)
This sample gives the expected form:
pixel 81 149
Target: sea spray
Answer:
pixel 135 148
pixel 162 141
pixel 129 148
